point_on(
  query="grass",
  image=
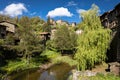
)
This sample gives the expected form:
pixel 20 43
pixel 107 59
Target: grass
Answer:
pixel 98 77
pixel 64 59
pixel 16 66
pixel 105 77
pixel 50 54
pixel 21 64
pixel 57 58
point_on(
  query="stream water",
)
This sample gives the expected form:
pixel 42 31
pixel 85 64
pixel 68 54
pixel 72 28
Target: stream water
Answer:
pixel 56 72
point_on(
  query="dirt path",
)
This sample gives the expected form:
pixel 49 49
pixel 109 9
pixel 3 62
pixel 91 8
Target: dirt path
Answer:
pixel 100 68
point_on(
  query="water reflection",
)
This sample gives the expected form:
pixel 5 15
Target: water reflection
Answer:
pixel 47 76
pixel 56 72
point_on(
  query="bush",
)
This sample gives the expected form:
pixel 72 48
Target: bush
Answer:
pixel 56 58
pixel 1 41
pixel 64 59
pixel 50 54
pixel 100 76
pixel 16 66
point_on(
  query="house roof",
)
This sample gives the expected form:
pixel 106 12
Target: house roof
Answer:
pixel 9 26
pixel 118 5
pixel 8 22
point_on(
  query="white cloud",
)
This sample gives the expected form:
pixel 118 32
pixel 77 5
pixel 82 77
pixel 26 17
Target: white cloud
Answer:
pixel 33 13
pixel 14 9
pixel 71 3
pixel 79 11
pixel 61 11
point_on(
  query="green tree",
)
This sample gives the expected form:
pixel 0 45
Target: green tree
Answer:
pixel 94 40
pixel 65 39
pixel 29 41
pixel 47 26
pixel 4 17
pixel 37 24
pixel 9 40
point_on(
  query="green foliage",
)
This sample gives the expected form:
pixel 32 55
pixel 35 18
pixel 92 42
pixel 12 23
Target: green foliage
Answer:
pixel 93 42
pixel 50 45
pixel 16 66
pixel 4 17
pixel 99 76
pixel 29 41
pixel 29 46
pixel 70 77
pixel 50 54
pixel 65 39
pixel 2 42
pixel 37 24
pixel 64 59
pixel 57 58
pixel 9 40
pixel 47 26
pixel 1 76
pixel 104 77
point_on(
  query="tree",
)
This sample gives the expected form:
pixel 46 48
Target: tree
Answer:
pixel 47 26
pixel 37 24
pixel 4 17
pixel 94 40
pixel 65 39
pixel 9 40
pixel 29 41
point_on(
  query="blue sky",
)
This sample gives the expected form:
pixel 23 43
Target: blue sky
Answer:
pixel 67 10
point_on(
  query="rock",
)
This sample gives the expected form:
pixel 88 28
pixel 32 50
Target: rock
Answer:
pixel 88 73
pixel 115 68
pixel 75 74
pixel 46 66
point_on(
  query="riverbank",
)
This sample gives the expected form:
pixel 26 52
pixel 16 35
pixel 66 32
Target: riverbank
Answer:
pixel 97 73
pixel 58 72
pixel 43 63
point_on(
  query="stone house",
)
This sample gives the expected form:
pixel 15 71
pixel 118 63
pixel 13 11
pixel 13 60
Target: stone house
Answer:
pixel 111 19
pixel 53 33
pixel 78 32
pixel 61 22
pixel 73 24
pixel 7 28
pixel 44 36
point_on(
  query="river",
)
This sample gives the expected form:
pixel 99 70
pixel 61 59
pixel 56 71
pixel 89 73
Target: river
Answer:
pixel 56 72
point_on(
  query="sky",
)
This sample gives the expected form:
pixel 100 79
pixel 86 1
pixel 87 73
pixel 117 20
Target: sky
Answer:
pixel 67 10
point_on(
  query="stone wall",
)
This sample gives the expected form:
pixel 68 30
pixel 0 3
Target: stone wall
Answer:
pixel 111 19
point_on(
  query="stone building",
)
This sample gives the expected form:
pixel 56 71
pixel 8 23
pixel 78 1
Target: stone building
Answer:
pixel 111 19
pixel 44 37
pixel 7 28
pixel 73 24
pixel 53 33
pixel 61 22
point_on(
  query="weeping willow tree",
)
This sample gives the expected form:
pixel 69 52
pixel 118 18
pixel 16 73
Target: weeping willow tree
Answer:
pixel 94 40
